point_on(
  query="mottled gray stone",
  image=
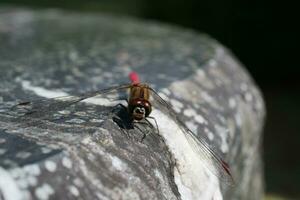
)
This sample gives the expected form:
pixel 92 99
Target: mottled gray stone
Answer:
pixel 86 155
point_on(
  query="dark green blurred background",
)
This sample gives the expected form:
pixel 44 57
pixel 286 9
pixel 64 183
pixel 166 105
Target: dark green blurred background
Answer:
pixel 263 35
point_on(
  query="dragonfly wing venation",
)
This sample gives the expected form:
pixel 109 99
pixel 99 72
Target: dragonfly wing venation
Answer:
pixel 42 108
pixel 210 158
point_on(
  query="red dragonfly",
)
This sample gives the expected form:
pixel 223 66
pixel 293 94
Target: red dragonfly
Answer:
pixel 139 108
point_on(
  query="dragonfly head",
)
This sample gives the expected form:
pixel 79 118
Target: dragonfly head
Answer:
pixel 139 108
pixel 139 113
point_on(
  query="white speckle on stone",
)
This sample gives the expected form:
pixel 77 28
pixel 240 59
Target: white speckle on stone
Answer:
pixel 23 155
pixel 192 113
pixel 231 127
pixel 209 99
pixel 248 97
pixel 16 172
pixel 80 113
pixel 32 180
pixel 238 119
pixel 74 191
pixel 10 162
pixel 244 87
pixel 41 91
pixel 66 162
pixel 76 71
pixel 64 112
pixel 8 187
pixel 259 105
pixel 192 126
pixel 91 156
pixel 221 118
pixel 212 63
pixel 158 174
pixel 73 55
pixel 2 140
pixel 76 121
pixel 166 91
pixel 45 150
pixel 33 169
pixel 162 95
pixel 107 74
pixel 200 119
pixel 210 135
pixel 23 183
pixel 232 103
pixel 44 192
pixel 189 112
pixel 96 120
pixel 50 166
pixel 86 140
pixel 177 105
pixel 78 182
pixel 161 76
pixel 2 151
pixel 117 163
pixel 224 147
pixel 223 133
pixel 200 73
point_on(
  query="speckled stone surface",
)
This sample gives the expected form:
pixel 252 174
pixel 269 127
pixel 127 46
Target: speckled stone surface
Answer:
pixel 86 155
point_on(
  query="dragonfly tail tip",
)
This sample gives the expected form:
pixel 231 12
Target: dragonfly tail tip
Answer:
pixel 134 77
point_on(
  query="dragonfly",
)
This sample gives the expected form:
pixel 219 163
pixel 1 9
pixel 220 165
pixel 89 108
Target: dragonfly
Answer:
pixel 139 108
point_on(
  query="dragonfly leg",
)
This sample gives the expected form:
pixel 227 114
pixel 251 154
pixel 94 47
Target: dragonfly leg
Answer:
pixel 122 125
pixel 24 106
pixel 121 117
pixel 147 123
pixel 144 134
pixel 116 106
pixel 142 131
pixel 125 132
pixel 157 129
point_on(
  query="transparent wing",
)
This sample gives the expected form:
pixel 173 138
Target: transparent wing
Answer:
pixel 41 109
pixel 211 159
